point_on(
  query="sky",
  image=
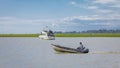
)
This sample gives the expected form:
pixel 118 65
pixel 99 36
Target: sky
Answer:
pixel 32 16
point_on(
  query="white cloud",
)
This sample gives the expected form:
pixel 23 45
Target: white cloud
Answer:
pixel 110 24
pixel 94 17
pixel 115 6
pixel 17 25
pixel 96 20
pixel 6 18
pixel 92 7
pixel 99 9
pixel 66 20
pixel 104 11
pixel 66 24
pixel 76 4
pixel 99 6
pixel 73 3
pixel 105 1
pixel 14 20
pixel 100 24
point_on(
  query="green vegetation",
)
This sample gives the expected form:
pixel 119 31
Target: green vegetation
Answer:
pixel 19 35
pixel 89 35
pixel 66 35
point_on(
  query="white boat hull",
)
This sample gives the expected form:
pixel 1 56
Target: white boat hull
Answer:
pixel 47 37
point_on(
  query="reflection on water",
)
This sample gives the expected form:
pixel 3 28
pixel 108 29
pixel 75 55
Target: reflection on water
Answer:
pixel 36 53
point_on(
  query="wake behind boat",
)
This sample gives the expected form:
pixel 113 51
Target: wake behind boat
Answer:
pixel 59 48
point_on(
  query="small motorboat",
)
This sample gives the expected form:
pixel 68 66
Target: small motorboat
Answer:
pixel 59 48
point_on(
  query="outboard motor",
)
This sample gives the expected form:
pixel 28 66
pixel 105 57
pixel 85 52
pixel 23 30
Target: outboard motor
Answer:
pixel 86 50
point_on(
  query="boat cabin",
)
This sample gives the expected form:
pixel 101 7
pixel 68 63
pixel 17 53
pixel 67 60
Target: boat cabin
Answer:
pixel 47 34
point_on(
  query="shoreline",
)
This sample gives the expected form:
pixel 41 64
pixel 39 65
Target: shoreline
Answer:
pixel 66 35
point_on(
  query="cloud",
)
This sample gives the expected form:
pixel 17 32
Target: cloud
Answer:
pixel 115 6
pixel 99 6
pixel 76 4
pixel 64 21
pixel 5 18
pixel 104 11
pixel 99 9
pixel 20 25
pixel 95 21
pixel 105 1
pixel 94 17
pixel 72 3
pixel 92 7
pixel 13 24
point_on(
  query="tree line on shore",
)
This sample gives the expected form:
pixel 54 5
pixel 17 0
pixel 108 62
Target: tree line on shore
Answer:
pixel 92 31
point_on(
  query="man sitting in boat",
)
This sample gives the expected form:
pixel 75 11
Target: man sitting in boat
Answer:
pixel 81 47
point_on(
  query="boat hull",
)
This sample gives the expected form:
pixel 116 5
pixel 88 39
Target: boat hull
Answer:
pixel 59 48
pixel 47 37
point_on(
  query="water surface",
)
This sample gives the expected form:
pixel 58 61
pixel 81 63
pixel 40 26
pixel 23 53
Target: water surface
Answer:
pixel 36 53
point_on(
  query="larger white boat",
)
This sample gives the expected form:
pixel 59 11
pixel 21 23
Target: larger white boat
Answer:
pixel 47 35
